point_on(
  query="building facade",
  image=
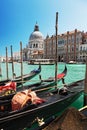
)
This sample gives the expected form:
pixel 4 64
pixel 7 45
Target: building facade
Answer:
pixel 35 44
pixel 83 48
pixel 68 46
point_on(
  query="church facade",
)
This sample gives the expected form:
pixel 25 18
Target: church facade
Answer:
pixel 35 47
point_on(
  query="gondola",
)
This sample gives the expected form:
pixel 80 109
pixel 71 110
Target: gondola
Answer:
pixel 46 83
pixel 52 102
pixel 77 120
pixel 42 84
pixel 53 121
pixel 25 77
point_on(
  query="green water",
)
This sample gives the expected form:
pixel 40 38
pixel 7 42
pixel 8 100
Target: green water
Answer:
pixel 75 72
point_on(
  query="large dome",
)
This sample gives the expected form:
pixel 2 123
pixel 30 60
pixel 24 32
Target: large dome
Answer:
pixel 36 34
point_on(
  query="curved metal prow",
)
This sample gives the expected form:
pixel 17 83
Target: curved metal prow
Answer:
pixel 39 66
pixel 65 70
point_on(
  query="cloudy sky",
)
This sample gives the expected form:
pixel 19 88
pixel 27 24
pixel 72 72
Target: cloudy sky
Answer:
pixel 18 18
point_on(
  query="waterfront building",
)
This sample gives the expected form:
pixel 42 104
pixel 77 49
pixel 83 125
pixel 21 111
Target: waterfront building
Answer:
pixel 49 47
pixel 68 46
pixel 16 56
pixel 83 48
pixel 72 46
pixel 25 53
pixel 2 58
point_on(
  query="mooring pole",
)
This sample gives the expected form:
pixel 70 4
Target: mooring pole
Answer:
pixel 12 61
pixel 21 57
pixel 7 62
pixel 85 86
pixel 56 59
pixel 0 68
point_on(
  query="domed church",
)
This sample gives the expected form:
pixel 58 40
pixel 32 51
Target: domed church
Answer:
pixel 36 44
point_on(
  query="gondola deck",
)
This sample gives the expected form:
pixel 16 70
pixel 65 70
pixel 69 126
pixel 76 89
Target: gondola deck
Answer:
pixel 53 103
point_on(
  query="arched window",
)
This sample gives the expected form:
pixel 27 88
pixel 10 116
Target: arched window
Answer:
pixel 81 48
pixel 36 45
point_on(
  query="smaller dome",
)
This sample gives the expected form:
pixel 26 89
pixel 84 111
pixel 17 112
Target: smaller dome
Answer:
pixel 36 34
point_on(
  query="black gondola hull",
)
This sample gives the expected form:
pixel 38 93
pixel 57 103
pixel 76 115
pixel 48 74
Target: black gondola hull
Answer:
pixel 24 119
pixel 25 77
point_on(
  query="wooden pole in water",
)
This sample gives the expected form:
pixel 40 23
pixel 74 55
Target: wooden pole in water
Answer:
pixel 56 27
pixel 85 86
pixel 21 60
pixel 7 61
pixel 0 67
pixel 12 61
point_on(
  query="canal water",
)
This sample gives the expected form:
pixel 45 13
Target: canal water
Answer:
pixel 74 72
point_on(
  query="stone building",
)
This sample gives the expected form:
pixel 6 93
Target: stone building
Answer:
pixel 83 48
pixel 49 47
pixel 16 56
pixel 68 46
pixel 35 44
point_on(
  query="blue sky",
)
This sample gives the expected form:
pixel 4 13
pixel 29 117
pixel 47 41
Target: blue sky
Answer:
pixel 18 17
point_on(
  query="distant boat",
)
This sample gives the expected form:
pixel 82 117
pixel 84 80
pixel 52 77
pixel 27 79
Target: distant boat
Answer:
pixel 72 62
pixel 42 62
